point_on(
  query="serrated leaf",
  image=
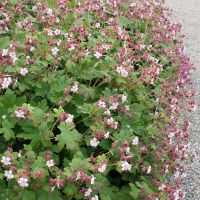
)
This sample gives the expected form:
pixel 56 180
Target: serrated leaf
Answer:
pixel 87 108
pixel 79 161
pixel 4 43
pixel 69 137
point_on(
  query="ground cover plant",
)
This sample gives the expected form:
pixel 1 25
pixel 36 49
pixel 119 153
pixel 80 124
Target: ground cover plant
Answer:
pixel 91 97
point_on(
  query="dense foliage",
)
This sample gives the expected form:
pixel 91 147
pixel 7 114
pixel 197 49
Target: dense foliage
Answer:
pixel 91 97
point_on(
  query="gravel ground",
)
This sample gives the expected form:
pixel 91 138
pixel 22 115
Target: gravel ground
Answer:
pixel 187 12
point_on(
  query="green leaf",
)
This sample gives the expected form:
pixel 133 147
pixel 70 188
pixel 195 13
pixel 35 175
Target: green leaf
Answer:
pixel 124 134
pixel 9 99
pixel 68 21
pixel 79 161
pixel 134 191
pixel 7 126
pixel 42 195
pixel 124 21
pixel 87 108
pixel 109 193
pixel 71 190
pixel 68 137
pixel 28 195
pixel 86 92
pixel 4 43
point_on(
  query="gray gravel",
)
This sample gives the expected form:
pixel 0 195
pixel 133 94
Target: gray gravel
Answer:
pixel 187 12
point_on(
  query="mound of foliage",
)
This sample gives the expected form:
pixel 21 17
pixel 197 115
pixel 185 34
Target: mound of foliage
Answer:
pixel 91 97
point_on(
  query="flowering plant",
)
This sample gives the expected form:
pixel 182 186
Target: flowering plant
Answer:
pixel 91 97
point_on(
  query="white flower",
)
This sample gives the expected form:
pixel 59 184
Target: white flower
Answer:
pixel 59 42
pixel 6 160
pixel 57 32
pixel 122 71
pixel 127 107
pixel 3 116
pixel 88 192
pixel 20 114
pixel 92 180
pixel 94 142
pixel 110 120
pixel 124 98
pixel 97 25
pixel 4 52
pixel 50 33
pixel 149 170
pixel 72 47
pixel 114 125
pixel 133 4
pixel 127 150
pixel 57 20
pixel 135 141
pixel 54 51
pixel 107 112
pixel 6 82
pixel 74 88
pixel 53 188
pixel 13 56
pixel 32 48
pixel 102 168
pixel 78 175
pixel 110 20
pixel 24 71
pixel 69 118
pixel 8 174
pixel 101 104
pixel 106 136
pixel 176 174
pixel 95 197
pixel 50 163
pixel 49 11
pixel 19 155
pixel 176 195
pixel 106 46
pixel 162 187
pixel 166 169
pixel 98 55
pixel 125 166
pixel 23 182
pixel 114 106
pixel 34 8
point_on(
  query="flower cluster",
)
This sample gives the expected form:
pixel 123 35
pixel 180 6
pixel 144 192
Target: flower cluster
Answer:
pixel 92 94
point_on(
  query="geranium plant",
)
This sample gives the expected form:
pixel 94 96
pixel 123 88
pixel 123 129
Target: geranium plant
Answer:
pixel 91 97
